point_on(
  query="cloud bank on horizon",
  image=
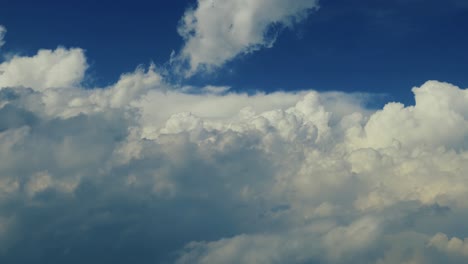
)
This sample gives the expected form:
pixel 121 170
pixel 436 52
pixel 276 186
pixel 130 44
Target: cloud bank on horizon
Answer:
pixel 149 172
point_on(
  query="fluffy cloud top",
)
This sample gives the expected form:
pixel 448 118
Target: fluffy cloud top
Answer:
pixel 144 171
pixel 60 68
pixel 453 246
pixel 217 31
pixel 147 172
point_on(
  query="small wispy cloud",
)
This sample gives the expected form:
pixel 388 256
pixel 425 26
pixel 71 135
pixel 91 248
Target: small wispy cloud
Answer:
pixel 2 35
pixel 215 31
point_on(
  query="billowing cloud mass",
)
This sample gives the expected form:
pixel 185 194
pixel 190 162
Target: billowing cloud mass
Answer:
pixel 454 245
pixel 60 68
pixel 217 31
pixel 143 171
pixel 2 35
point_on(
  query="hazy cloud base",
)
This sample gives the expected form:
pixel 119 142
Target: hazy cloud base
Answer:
pixel 146 172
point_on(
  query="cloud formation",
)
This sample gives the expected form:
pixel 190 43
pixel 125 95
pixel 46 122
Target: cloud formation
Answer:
pixel 218 31
pixel 451 246
pixel 146 171
pixel 59 68
pixel 154 173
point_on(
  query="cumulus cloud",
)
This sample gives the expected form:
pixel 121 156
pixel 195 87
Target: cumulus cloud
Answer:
pixel 295 246
pixel 453 246
pixel 163 174
pixel 145 171
pixel 59 68
pixel 217 31
pixel 429 122
pixel 2 35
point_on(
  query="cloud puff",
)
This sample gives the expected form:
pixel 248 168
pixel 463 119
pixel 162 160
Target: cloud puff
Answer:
pixel 60 68
pixel 431 121
pixel 145 171
pixel 2 35
pixel 454 245
pixel 217 31
pixel 296 246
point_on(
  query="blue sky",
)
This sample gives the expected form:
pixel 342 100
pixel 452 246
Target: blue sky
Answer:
pixel 369 46
pixel 234 131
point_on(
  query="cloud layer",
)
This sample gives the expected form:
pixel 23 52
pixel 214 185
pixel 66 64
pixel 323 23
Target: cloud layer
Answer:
pixel 143 171
pixel 217 31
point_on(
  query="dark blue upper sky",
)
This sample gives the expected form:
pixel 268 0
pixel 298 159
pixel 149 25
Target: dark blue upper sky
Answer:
pixel 381 46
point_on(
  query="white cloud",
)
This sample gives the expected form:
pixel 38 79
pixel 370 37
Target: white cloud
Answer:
pixel 59 68
pixel 298 245
pixel 2 35
pixel 360 235
pixel 438 118
pixel 158 172
pixel 454 246
pixel 217 31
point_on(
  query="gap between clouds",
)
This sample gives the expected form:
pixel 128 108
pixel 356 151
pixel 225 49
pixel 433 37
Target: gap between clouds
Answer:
pixel 214 32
